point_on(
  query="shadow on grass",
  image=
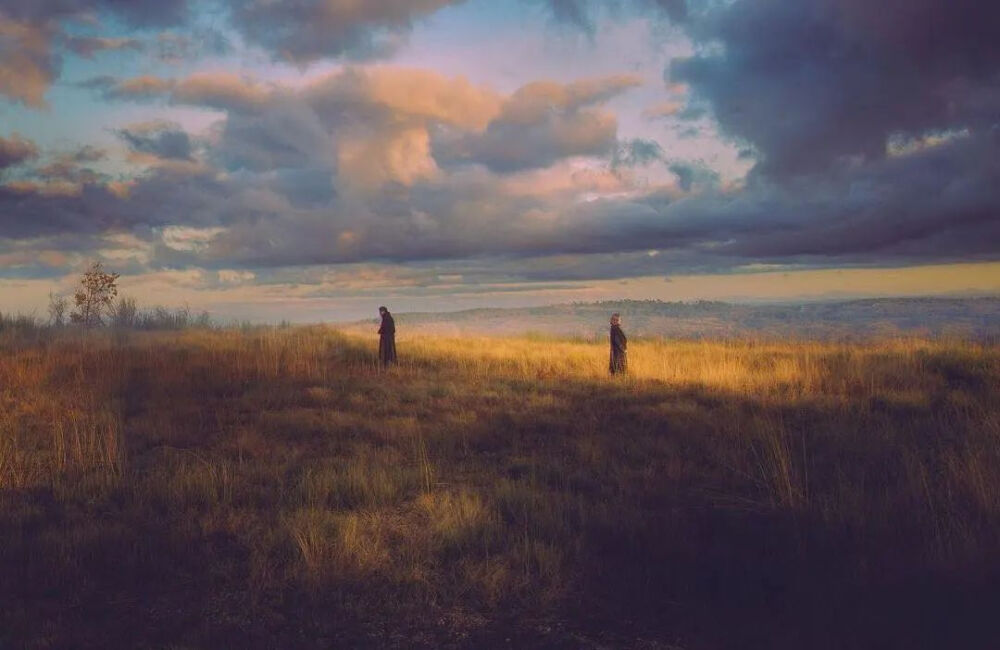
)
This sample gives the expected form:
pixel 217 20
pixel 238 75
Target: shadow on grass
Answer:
pixel 304 504
pixel 710 545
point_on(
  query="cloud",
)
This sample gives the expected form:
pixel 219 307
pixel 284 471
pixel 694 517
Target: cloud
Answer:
pixel 159 139
pixel 390 164
pixel 193 44
pixel 87 153
pixel 223 90
pixel 584 14
pixel 409 94
pixel 230 276
pixel 810 83
pixel 88 46
pixel 306 30
pixel 284 134
pixel 298 30
pixel 826 221
pixel 636 153
pixel 370 127
pixel 575 12
pixel 71 166
pixel 15 151
pixel 186 238
pixel 31 209
pixel 667 109
pixel 146 13
pixel 144 87
pixel 936 204
pixel 535 101
pixel 689 174
pixel 137 13
pixel 27 63
pixel 869 215
pixel 539 124
pixel 367 126
pixel 29 30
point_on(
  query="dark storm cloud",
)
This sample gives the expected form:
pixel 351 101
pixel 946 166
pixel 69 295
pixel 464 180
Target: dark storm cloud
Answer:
pixel 821 90
pixel 66 199
pixel 26 212
pixel 940 203
pixel 78 217
pixel 808 82
pixel 16 150
pixel 178 197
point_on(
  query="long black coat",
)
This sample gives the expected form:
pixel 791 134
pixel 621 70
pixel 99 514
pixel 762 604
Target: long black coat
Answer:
pixel 387 340
pixel 619 354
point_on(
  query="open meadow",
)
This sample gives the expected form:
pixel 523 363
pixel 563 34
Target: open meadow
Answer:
pixel 274 488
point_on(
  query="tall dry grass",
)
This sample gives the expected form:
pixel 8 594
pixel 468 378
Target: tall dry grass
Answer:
pixel 276 488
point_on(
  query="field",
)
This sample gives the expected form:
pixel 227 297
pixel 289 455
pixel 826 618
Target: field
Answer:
pixel 274 488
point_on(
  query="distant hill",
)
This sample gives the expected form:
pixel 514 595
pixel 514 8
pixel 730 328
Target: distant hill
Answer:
pixel 976 318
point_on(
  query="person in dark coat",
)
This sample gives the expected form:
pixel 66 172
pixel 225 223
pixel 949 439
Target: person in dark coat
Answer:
pixel 386 338
pixel 619 346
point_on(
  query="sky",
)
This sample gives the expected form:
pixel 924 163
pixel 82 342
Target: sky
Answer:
pixel 310 160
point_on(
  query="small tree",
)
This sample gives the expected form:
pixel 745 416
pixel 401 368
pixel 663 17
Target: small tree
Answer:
pixel 95 296
pixel 57 309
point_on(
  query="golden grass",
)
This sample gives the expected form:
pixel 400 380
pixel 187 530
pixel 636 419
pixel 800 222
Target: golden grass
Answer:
pixel 282 487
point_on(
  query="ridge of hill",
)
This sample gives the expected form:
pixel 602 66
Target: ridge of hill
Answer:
pixel 975 318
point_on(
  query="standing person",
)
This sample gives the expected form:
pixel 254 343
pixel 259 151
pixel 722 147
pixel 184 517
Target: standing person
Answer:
pixel 619 345
pixel 386 338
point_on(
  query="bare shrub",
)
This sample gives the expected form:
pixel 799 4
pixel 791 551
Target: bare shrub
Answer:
pixel 57 309
pixel 124 313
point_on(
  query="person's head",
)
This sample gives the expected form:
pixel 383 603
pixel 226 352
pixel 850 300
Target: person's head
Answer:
pixel 616 319
pixel 383 311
